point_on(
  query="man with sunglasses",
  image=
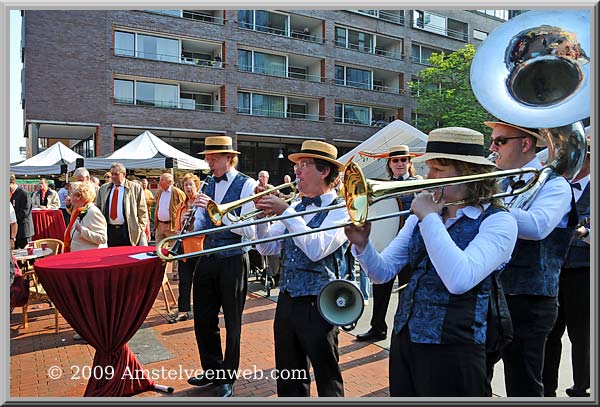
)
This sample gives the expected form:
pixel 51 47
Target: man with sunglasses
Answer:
pixel 399 168
pixel 530 278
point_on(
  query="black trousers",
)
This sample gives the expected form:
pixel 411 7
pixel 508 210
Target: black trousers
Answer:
pixel 186 277
pixel 381 301
pixel 303 337
pixel 574 315
pixel 220 283
pixel 118 235
pixel 533 317
pixel 436 370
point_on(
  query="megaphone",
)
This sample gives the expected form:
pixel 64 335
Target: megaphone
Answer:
pixel 341 303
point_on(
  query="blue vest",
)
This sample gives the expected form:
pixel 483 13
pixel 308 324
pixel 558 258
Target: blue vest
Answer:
pixel 578 255
pixel 301 276
pixel 433 314
pixel 535 264
pixel 221 239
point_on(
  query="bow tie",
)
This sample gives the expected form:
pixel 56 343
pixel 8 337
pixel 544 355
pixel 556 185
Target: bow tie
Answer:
pixel 315 201
pixel 221 178
pixel 576 185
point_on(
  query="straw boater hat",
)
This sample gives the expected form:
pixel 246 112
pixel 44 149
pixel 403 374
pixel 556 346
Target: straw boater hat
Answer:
pixel 532 132
pixel 317 149
pixel 218 144
pixel 455 143
pixel 399 151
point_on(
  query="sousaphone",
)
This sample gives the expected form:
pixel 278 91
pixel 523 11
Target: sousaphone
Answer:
pixel 533 71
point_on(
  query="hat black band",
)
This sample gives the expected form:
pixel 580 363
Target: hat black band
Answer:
pixel 396 153
pixel 219 147
pixel 318 152
pixel 445 147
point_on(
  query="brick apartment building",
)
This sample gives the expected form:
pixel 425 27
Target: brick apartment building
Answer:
pixel 95 79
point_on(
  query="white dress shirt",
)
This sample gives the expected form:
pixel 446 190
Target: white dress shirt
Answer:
pixel 120 218
pixel 316 245
pixel 221 188
pixel 163 205
pixel 460 270
pixel 548 210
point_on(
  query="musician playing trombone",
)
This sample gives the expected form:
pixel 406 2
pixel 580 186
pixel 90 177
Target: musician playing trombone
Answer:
pixel 309 262
pixel 220 280
pixel 457 237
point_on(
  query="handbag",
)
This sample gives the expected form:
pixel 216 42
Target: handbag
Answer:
pixel 19 289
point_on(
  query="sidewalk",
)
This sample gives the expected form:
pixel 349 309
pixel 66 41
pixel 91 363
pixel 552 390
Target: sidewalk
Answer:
pixel 160 345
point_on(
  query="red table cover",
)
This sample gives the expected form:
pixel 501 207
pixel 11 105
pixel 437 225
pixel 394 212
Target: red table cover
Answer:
pixel 48 223
pixel 105 295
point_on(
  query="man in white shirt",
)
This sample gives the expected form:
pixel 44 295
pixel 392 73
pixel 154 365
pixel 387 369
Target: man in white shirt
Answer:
pixel 309 262
pixel 220 279
pixel 530 279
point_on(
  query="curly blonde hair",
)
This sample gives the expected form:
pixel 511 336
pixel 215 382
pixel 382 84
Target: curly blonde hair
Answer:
pixel 86 190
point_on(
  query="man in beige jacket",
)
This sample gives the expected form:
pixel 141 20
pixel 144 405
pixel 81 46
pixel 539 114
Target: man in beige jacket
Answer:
pixel 124 206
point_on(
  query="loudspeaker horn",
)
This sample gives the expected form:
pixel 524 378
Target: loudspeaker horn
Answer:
pixel 341 303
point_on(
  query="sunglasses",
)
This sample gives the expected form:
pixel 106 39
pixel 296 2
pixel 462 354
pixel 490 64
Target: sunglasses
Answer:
pixel 500 141
pixel 403 159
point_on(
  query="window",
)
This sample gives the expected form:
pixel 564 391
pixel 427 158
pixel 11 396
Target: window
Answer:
pixel 124 43
pixel 340 36
pixel 442 25
pixel 297 72
pixel 350 114
pixel 195 101
pixel 356 40
pixel 123 91
pixel 421 54
pixel 261 105
pixel 501 14
pixel 297 111
pixel 260 62
pixel 265 21
pixel 156 94
pixel 357 78
pixel 479 35
pixel 161 49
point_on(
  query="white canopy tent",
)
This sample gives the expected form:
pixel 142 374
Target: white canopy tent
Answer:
pixel 146 151
pixel 395 133
pixel 47 162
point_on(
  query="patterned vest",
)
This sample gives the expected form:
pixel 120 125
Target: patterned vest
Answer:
pixel 301 276
pixel 225 238
pixel 578 255
pixel 535 264
pixel 432 313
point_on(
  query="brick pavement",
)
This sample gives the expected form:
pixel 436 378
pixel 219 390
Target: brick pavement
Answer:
pixel 35 349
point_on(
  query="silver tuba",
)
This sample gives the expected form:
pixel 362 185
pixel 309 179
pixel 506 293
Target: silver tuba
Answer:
pixel 533 71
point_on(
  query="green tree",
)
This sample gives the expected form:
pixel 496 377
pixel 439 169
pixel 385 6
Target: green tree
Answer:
pixel 444 95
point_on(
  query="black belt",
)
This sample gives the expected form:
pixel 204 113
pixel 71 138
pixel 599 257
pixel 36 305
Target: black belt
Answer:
pixel 116 226
pixel 164 221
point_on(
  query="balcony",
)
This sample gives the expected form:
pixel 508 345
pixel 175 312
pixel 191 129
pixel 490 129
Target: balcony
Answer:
pixel 285 25
pixel 207 16
pixel 392 16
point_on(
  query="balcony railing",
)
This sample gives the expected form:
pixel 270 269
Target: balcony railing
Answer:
pixel 280 114
pixel 419 60
pixel 279 31
pixel 191 15
pixel 370 50
pixel 168 104
pixel 459 35
pixel 279 72
pixel 168 58
pixel 394 18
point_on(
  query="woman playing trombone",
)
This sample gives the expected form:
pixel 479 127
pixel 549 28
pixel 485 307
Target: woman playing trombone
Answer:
pixel 438 341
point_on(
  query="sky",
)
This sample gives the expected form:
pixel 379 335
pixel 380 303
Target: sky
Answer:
pixel 16 112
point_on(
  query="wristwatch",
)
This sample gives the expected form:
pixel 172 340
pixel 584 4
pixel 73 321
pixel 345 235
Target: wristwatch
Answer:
pixel 13 238
pixel 587 233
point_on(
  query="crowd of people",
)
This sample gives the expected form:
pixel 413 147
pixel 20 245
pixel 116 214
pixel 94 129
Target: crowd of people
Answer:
pixel 459 244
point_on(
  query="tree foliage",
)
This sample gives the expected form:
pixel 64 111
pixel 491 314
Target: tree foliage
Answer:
pixel 444 95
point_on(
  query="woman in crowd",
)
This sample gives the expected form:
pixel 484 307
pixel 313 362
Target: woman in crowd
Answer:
pixel 87 227
pixel 191 187
pixel 438 341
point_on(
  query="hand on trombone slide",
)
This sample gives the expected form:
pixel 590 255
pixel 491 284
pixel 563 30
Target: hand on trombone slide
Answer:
pixel 428 201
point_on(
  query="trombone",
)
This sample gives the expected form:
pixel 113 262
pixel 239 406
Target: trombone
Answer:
pixel 360 193
pixel 217 212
